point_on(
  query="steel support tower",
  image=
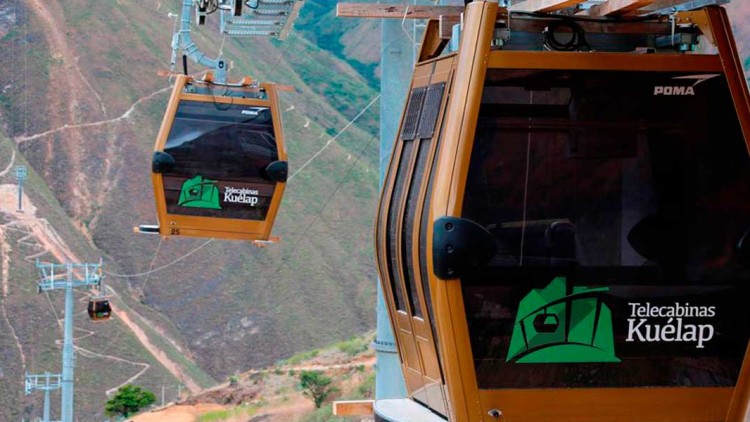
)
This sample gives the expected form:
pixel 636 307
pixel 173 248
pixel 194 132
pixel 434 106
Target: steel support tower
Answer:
pixel 21 175
pixel 396 63
pixel 45 382
pixel 68 277
pixel 400 42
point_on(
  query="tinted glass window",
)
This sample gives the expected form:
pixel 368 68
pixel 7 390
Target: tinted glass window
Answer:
pixel 221 153
pixel 407 238
pixel 616 201
pixel 393 214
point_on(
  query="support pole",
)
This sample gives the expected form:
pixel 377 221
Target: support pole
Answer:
pixel 46 382
pixel 45 415
pixel 396 57
pixel 21 175
pixel 53 280
pixel 20 196
pixel 68 376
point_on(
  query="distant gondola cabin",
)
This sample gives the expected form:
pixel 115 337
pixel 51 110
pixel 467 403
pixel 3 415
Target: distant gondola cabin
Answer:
pixel 99 309
pixel 219 167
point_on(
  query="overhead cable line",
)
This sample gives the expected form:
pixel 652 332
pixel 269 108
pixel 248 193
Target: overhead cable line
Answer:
pixel 330 197
pixel 330 141
pixel 151 267
pixel 165 266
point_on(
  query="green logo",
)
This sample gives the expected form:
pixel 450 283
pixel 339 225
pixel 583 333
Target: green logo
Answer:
pixel 199 193
pixel 557 325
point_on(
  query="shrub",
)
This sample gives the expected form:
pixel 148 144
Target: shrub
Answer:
pixel 317 386
pixel 128 400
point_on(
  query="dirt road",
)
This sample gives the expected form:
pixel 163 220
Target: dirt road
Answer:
pixel 177 413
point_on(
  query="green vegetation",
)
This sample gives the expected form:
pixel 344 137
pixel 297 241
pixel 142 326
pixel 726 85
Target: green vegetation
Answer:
pixel 324 414
pixel 318 23
pixel 128 400
pixel 233 413
pixel 300 357
pixel 317 386
pixel 9 35
pixel 366 389
pixel 354 345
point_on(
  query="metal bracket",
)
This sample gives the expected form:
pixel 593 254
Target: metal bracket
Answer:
pixel 181 40
pixel 459 245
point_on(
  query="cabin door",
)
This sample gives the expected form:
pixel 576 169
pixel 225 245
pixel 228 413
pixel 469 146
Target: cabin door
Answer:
pixel 402 235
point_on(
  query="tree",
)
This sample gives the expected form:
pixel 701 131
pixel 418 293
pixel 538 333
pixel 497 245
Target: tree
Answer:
pixel 128 400
pixel 317 386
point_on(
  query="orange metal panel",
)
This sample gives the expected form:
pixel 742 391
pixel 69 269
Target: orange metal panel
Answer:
pixel 739 408
pixel 352 408
pixel 411 356
pixel 422 75
pixel 427 353
pixel 603 61
pixel 161 139
pixel 610 404
pixel 459 130
pixel 721 30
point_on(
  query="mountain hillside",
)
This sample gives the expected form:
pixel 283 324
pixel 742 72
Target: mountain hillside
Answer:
pixel 274 394
pixel 348 39
pixel 81 100
pixel 109 354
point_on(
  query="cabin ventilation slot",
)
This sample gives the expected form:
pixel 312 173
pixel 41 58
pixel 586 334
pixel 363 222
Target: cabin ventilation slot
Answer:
pixel 413 109
pixel 430 111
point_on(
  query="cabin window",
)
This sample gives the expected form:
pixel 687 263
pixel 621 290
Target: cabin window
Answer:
pixel 221 152
pixel 428 125
pixel 407 240
pixel 608 198
pixel 393 214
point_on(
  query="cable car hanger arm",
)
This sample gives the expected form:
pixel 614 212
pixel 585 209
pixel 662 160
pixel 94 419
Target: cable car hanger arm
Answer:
pixel 181 40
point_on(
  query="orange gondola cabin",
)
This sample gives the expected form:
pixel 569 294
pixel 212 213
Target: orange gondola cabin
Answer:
pixel 564 228
pixel 99 309
pixel 219 167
